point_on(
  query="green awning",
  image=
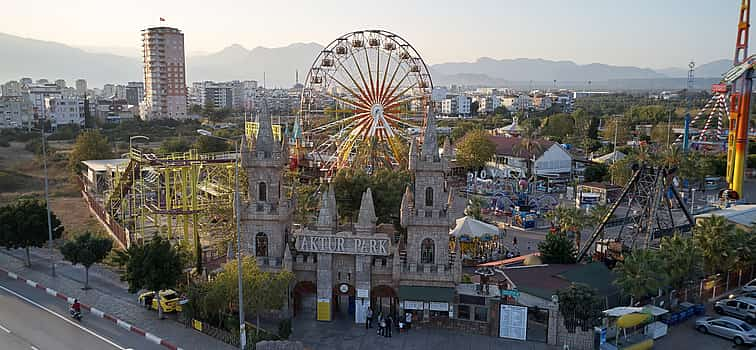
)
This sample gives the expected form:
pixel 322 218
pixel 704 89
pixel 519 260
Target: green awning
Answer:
pixel 421 293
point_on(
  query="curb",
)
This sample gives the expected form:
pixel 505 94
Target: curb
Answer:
pixel 94 311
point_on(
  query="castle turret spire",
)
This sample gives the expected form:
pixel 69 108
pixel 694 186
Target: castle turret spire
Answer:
pixel 430 141
pixel 366 218
pixel 265 142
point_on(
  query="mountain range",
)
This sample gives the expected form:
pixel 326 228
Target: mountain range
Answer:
pixel 24 57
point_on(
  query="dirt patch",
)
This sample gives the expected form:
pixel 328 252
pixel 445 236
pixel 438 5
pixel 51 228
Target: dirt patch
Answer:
pixel 75 216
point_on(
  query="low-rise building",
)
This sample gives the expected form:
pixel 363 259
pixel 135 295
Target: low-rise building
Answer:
pixel 15 112
pixel 456 105
pixel 64 111
pixel 517 158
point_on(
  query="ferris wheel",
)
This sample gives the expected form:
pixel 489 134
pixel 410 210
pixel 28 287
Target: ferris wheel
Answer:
pixel 364 96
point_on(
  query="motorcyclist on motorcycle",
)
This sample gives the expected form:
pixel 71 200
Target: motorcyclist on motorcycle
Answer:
pixel 76 309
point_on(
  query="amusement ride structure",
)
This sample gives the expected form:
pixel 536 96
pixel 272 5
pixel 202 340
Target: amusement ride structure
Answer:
pixel 364 96
pixel 649 202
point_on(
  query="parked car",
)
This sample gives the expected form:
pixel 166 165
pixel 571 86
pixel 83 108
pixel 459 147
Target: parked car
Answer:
pixel 743 295
pixel 169 300
pixel 727 327
pixel 740 307
pixel 750 286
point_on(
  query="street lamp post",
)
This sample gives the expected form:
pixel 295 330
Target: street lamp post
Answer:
pixel 47 200
pixel 242 325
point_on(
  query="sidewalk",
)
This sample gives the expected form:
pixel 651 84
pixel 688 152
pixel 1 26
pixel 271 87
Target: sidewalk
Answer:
pixel 345 335
pixel 107 293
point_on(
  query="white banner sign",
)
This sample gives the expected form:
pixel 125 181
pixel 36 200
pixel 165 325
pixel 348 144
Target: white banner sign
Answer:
pixel 413 305
pixel 342 245
pixel 439 306
pixel 363 293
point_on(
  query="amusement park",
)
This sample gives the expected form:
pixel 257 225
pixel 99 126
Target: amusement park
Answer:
pixel 368 195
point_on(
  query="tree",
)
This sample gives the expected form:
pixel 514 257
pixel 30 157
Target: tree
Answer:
pixel 596 172
pixel 557 249
pixel 579 306
pixel 90 144
pixel 262 290
pixel 207 144
pixel 23 224
pixel 559 126
pixel 640 274
pixel 474 150
pixel 501 111
pixel 154 266
pixel 473 208
pixel 569 220
pixel 681 259
pixel 713 235
pixel 388 186
pixel 86 250
pixel 474 106
pixel 174 145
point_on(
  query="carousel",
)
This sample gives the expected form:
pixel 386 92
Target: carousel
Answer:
pixel 478 241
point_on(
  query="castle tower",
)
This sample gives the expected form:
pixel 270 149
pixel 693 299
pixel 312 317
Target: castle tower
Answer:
pixel 425 214
pixel 268 212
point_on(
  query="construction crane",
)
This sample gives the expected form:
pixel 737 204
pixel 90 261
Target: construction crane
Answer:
pixel 739 81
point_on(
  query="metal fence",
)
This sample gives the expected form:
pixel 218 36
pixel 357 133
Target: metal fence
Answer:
pixel 717 286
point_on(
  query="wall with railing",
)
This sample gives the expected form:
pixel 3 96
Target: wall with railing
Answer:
pixel 121 235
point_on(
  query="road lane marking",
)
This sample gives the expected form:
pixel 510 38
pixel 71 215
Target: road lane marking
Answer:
pixel 5 329
pixel 64 318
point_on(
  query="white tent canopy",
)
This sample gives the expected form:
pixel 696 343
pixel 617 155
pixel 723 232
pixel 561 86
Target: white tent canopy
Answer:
pixel 468 226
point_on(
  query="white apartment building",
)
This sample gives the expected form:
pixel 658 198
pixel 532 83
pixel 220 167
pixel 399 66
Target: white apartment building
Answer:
pixel 520 102
pixel 164 74
pixel 541 102
pixel 65 110
pixel 456 105
pixel 38 93
pixel 11 88
pixel 488 104
pixel 81 87
pixel 108 90
pixel 15 112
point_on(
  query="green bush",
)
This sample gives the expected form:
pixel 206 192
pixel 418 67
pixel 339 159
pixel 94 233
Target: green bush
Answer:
pixel 284 328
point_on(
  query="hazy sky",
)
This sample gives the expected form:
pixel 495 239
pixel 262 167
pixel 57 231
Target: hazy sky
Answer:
pixel 646 33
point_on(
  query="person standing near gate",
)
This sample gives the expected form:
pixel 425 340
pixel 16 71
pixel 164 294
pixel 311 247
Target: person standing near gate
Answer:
pixel 389 323
pixel 369 318
pixel 408 320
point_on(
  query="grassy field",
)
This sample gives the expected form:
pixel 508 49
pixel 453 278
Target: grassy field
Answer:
pixel 22 175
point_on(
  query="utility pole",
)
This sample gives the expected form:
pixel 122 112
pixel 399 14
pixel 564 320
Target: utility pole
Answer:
pixel 47 188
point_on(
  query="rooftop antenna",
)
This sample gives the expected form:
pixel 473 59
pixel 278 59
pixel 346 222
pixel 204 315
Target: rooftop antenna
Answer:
pixel 263 80
pixel 297 77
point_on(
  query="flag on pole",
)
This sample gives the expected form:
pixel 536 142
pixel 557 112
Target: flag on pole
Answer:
pixel 162 19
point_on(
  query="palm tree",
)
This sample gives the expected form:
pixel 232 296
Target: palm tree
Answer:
pixel 640 274
pixel 569 220
pixel 681 258
pixel 529 146
pixel 713 235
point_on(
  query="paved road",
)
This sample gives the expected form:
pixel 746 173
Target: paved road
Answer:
pixel 32 319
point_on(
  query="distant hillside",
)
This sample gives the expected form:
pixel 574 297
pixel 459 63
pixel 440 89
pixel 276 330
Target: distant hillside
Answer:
pixel 22 57
pixel 526 69
pixel 235 62
pixel 713 69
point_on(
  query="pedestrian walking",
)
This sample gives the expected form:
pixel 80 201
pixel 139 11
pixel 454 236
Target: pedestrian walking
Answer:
pixel 408 320
pixel 389 323
pixel 381 326
pixel 369 318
